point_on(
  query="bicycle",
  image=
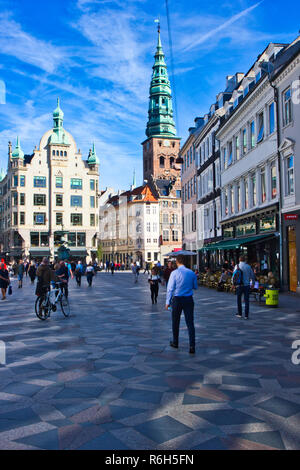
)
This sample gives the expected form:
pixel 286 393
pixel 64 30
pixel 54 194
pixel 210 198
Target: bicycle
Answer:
pixel 46 303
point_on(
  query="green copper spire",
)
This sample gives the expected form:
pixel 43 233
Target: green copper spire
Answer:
pixel 59 135
pixel 93 159
pixel 160 122
pixel 18 152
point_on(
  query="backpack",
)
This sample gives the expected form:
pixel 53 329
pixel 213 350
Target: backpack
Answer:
pixel 237 277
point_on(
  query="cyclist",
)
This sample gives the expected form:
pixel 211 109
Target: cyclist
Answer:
pixel 62 273
pixel 44 276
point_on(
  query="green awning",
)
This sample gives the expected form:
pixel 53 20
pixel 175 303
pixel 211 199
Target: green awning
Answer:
pixel 234 244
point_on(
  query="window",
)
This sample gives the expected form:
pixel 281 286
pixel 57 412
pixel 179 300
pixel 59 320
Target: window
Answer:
pixel 148 209
pixel 263 185
pixel 39 199
pixel 22 180
pixel 80 239
pixel 76 183
pixel 174 235
pixel 271 118
pixel 58 182
pixel 76 201
pixel 260 135
pixel 22 218
pixel 165 235
pixel 22 199
pixel 34 239
pixel 76 219
pixel 230 154
pixel 174 219
pixel 178 193
pixel 153 210
pixel 39 218
pixel 92 185
pixel 287 107
pixel 252 134
pixel 59 218
pixel 44 239
pixel 257 77
pixel 154 227
pixel 15 180
pixel 165 218
pixel 238 198
pixel 92 220
pixel 59 199
pixel 161 162
pixel 172 161
pixel 237 147
pixel 14 198
pixel 15 218
pixel 65 153
pixel 72 239
pixel 148 256
pixel 39 181
pixel 148 227
pixel 273 180
pixel 290 175
pixel 246 193
pixel 244 141
pixel 253 182
pixel 92 201
pixel 225 158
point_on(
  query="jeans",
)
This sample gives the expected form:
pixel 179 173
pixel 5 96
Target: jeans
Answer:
pixel 154 291
pixel 78 278
pixel 187 305
pixel 240 291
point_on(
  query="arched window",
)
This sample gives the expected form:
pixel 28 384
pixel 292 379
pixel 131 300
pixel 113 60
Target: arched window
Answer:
pixel 65 153
pixel 172 161
pixel 61 153
pixel 57 153
pixel 162 162
pixel 53 152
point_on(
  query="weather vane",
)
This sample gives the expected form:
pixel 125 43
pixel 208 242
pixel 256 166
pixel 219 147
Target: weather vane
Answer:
pixel 158 23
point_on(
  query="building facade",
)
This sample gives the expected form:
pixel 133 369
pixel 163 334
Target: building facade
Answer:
pixel 161 167
pixel 50 197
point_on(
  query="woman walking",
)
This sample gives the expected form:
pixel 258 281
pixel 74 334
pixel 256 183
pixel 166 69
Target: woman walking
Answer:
pixel 154 280
pixel 32 272
pixel 21 271
pixel 4 280
pixel 89 274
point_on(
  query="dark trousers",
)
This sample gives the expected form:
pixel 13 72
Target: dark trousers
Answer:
pixel 78 278
pixel 154 291
pixel 240 291
pixel 89 278
pixel 187 305
pixel 64 288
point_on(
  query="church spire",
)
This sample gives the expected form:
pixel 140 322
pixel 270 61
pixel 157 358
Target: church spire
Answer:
pixel 18 152
pixel 160 122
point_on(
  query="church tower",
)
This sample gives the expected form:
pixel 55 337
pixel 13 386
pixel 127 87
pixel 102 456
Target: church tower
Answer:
pixel 161 148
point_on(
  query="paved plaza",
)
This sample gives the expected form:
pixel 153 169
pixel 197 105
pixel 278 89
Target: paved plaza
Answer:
pixel 105 378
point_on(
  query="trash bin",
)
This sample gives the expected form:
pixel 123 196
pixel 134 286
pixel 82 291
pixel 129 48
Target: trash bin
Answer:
pixel 271 296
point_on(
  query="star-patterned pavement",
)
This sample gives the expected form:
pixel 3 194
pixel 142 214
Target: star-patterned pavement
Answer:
pixel 106 377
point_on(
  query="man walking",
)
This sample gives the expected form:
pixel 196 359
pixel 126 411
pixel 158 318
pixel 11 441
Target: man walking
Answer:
pixel 78 273
pixel 135 272
pixel 181 283
pixel 241 279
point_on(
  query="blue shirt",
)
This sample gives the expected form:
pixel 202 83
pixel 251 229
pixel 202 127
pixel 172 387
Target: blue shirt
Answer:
pixel 247 273
pixel 181 283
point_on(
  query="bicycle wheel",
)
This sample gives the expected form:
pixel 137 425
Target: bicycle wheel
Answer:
pixel 64 305
pixel 42 307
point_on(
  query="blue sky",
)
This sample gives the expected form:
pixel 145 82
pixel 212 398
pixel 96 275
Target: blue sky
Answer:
pixel 97 56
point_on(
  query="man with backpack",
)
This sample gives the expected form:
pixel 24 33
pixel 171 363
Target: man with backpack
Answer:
pixel 241 277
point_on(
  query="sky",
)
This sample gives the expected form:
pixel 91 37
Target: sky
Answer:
pixel 97 56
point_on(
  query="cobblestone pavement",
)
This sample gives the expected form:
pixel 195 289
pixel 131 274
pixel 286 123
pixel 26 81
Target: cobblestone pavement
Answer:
pixel 105 378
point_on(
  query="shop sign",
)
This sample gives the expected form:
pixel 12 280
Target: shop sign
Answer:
pixel 245 229
pixel 290 216
pixel 267 223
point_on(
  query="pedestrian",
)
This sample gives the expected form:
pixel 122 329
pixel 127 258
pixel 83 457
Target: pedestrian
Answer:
pixel 90 272
pixel 154 280
pixel 4 280
pixel 26 267
pixel 112 267
pixel 32 272
pixel 21 270
pixel 107 266
pixel 78 273
pixel 147 268
pixel 135 272
pixel 181 283
pixel 241 278
pixel 167 272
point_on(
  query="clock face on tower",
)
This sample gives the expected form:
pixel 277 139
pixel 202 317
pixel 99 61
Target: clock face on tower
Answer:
pixel 166 143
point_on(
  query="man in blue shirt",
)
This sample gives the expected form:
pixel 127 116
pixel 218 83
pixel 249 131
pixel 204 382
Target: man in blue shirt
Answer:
pixel 244 287
pixel 181 283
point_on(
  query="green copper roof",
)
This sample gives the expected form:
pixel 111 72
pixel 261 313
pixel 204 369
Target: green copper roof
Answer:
pixel 59 136
pixel 18 152
pixel 2 175
pixel 93 159
pixel 160 121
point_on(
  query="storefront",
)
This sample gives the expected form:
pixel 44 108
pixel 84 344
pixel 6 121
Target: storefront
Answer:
pixel 291 251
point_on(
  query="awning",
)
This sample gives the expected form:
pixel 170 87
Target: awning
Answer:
pixel 39 252
pixel 78 252
pixel 236 243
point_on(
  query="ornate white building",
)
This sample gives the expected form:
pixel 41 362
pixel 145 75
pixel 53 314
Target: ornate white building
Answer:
pixel 49 194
